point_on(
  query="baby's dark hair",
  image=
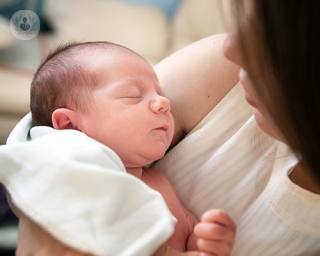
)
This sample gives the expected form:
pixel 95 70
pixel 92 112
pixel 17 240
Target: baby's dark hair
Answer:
pixel 63 79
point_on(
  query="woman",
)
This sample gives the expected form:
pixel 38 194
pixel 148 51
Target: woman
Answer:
pixel 271 190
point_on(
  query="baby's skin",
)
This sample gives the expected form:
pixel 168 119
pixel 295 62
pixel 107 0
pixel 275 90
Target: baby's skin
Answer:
pixel 129 113
pixel 216 224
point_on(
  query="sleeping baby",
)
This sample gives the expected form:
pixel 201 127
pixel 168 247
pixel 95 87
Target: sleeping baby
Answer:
pixel 112 95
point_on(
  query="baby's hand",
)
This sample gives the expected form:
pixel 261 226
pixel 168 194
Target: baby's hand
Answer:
pixel 216 233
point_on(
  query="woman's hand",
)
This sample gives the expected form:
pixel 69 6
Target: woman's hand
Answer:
pixel 33 241
pixel 216 233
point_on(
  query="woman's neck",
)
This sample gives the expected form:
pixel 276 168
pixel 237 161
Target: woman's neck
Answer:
pixel 302 177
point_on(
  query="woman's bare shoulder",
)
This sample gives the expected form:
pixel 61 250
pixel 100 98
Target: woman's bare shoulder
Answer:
pixel 195 79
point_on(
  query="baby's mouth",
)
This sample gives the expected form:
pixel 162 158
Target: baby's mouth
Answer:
pixel 164 128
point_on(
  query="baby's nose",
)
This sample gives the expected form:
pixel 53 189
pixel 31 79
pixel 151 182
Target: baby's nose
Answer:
pixel 160 105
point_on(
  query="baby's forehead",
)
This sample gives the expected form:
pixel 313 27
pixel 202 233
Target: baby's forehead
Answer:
pixel 105 53
pixel 106 65
pixel 107 60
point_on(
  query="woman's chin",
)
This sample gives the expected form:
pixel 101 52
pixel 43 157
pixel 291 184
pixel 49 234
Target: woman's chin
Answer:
pixel 267 126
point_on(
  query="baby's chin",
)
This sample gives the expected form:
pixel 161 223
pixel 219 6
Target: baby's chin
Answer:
pixel 154 156
pixel 144 160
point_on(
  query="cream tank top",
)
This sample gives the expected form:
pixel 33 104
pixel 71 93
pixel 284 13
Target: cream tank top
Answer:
pixel 227 162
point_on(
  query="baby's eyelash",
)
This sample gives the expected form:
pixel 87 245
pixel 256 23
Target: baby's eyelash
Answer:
pixel 132 97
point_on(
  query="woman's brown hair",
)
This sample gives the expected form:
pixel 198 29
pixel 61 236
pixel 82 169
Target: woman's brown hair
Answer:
pixel 285 44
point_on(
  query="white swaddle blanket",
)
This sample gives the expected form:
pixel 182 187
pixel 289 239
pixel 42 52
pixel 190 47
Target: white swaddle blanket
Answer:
pixel 78 190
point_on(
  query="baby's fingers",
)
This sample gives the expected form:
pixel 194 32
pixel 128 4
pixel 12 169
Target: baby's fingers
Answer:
pixel 166 250
pixel 220 217
pixel 214 231
pixel 208 247
pixel 216 225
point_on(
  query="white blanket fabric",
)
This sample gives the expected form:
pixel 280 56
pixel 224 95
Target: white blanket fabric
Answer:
pixel 78 190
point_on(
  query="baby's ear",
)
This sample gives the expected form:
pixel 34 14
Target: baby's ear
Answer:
pixel 63 118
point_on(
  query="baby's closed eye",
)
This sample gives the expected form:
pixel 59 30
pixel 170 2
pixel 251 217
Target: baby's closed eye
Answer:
pixel 131 93
pixel 131 98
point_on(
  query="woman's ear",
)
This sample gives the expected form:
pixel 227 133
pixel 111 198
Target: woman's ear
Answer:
pixel 63 118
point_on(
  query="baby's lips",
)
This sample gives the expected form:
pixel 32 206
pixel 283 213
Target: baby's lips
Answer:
pixel 164 128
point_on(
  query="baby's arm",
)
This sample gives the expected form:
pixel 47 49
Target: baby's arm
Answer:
pixel 216 233
pixel 192 239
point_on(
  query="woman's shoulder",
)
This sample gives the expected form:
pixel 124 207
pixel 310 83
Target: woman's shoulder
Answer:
pixel 196 79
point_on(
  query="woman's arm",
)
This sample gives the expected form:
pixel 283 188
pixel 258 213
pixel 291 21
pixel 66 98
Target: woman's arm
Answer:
pixel 33 240
pixel 196 79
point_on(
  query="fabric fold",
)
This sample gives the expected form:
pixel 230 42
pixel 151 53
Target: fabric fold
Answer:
pixel 78 190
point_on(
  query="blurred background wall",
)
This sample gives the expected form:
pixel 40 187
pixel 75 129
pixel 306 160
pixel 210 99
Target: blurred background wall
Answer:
pixel 152 28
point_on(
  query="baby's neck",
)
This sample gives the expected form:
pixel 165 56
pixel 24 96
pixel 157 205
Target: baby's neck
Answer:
pixel 135 171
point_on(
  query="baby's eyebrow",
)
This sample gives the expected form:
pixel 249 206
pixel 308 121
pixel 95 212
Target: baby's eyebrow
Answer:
pixel 125 84
pixel 141 86
pixel 128 83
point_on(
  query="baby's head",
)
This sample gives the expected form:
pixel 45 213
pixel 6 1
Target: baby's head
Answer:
pixel 66 77
pixel 109 93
